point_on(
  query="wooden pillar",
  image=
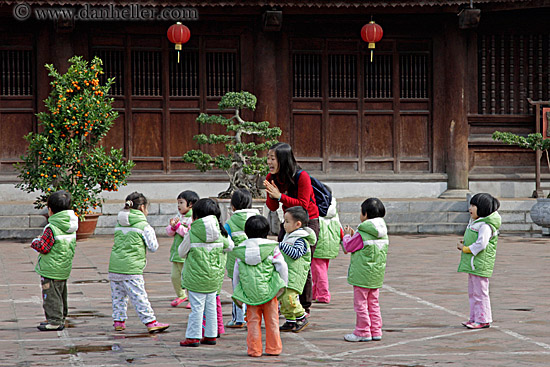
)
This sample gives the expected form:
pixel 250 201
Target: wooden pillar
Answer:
pixel 265 76
pixel 456 101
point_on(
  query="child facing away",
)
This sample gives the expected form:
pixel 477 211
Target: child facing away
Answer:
pixel 177 228
pixel 479 249
pixel 133 237
pixel 56 249
pixel 295 248
pixel 369 249
pixel 241 204
pixel 203 249
pixel 328 247
pixel 260 276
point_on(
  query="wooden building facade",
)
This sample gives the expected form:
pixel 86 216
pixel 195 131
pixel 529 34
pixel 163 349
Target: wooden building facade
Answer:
pixel 423 109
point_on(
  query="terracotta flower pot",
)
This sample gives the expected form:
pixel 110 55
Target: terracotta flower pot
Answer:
pixel 86 228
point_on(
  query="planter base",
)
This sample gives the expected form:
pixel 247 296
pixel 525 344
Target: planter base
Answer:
pixel 86 228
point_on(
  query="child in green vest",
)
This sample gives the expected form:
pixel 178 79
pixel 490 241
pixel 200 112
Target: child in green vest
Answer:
pixel 369 248
pixel 328 247
pixel 177 228
pixel 295 248
pixel 260 275
pixel 133 237
pixel 203 249
pixel 241 204
pixel 479 249
pixel 56 249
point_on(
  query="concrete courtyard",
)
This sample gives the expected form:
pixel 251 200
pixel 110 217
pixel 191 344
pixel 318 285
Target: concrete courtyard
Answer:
pixel 423 302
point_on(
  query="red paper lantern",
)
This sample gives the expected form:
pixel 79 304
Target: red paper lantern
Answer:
pixel 178 34
pixel 371 33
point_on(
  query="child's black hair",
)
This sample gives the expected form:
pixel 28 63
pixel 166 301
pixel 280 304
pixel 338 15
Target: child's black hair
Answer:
pixel 298 213
pixel 241 199
pixel 256 227
pixel 190 196
pixel 134 200
pixel 486 204
pixel 373 208
pixel 59 201
pixel 205 207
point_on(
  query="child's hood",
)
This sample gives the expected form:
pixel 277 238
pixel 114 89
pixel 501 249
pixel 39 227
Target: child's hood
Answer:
pixel 252 252
pixel 331 212
pixel 65 220
pixel 129 217
pixel 375 227
pixel 493 219
pixel 206 229
pixel 305 233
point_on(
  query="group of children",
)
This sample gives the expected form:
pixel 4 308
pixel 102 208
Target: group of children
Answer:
pixel 267 276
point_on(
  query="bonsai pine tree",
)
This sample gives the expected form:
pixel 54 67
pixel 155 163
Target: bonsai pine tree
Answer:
pixel 242 163
pixel 66 154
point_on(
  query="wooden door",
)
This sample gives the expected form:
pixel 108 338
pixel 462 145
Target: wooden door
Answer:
pixel 351 115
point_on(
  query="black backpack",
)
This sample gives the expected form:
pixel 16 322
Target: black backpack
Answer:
pixel 323 197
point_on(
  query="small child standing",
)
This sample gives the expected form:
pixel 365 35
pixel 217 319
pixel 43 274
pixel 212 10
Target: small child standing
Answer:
pixel 328 247
pixel 260 275
pixel 479 249
pixel 369 249
pixel 297 254
pixel 203 249
pixel 241 204
pixel 133 237
pixel 177 228
pixel 56 249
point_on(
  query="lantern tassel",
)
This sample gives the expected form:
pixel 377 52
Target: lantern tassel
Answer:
pixel 179 57
pixel 371 54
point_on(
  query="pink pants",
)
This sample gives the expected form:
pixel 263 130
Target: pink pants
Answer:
pixel 480 303
pixel 221 329
pixel 369 319
pixel 319 278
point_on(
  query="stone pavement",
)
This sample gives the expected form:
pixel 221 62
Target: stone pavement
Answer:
pixel 423 302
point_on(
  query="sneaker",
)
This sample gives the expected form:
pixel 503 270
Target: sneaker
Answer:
pixel 188 305
pixel 377 338
pixel 235 324
pixel 465 323
pixel 119 325
pixel 50 327
pixel 354 338
pixel 156 327
pixel 288 326
pixel 178 301
pixel 301 324
pixel 190 342
pixel 478 325
pixel 209 341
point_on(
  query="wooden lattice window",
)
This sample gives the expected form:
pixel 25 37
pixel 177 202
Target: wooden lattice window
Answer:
pixel 221 73
pixel 307 75
pixel 113 67
pixel 413 70
pixel 16 66
pixel 184 76
pixel 146 73
pixel 342 76
pixel 378 77
pixel 513 68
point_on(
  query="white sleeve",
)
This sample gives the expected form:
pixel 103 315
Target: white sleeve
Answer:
pixel 280 264
pixel 236 276
pixel 484 235
pixel 150 238
pixel 184 246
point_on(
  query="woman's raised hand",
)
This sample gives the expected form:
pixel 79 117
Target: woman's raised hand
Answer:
pixel 272 190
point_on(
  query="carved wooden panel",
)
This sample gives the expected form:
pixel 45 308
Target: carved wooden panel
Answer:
pixel 414 136
pixel 342 139
pixel 146 135
pixel 184 76
pixel 307 135
pixel 378 77
pixel 221 73
pixel 307 75
pixel 146 73
pixel 116 136
pixel 12 129
pixel 113 67
pixel 377 136
pixel 16 77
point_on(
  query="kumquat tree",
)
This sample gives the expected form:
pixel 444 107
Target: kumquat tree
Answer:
pixel 66 153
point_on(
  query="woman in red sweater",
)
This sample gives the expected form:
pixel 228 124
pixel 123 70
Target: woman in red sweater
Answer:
pixel 281 187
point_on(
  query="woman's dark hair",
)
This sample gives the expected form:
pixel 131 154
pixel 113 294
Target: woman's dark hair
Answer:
pixel 59 201
pixel 486 204
pixel 256 227
pixel 134 200
pixel 373 208
pixel 287 163
pixel 241 199
pixel 205 207
pixel 298 213
pixel 190 196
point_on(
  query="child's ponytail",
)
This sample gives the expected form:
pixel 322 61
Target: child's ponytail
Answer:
pixel 205 207
pixel 134 200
